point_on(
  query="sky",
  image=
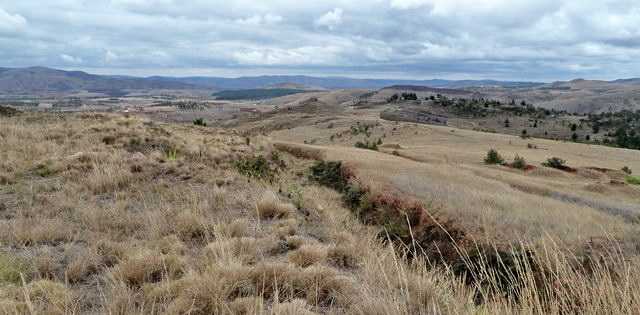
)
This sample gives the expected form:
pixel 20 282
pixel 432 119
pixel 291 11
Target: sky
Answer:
pixel 525 40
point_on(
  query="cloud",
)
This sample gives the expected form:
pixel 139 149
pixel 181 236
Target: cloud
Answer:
pixel 11 22
pixel 257 20
pixel 331 19
pixel 71 59
pixel 502 39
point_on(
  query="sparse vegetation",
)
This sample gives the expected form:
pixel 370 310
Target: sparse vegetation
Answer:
pixel 368 145
pixel 519 163
pixel 200 122
pixel 493 157
pixel 633 180
pixel 557 163
pixel 627 170
pixel 8 111
pixel 256 167
pixel 116 229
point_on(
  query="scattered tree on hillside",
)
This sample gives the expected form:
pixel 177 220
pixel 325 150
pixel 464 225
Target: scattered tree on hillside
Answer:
pixel 493 157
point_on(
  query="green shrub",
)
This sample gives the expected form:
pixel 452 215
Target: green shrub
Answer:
pixel 353 195
pixel 555 162
pixel 335 175
pixel 519 163
pixel 257 167
pixel 367 145
pixel 493 157
pixel 200 122
pixel 330 174
pixel 633 180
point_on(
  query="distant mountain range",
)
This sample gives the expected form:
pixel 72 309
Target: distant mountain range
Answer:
pixel 333 83
pixel 578 95
pixel 41 80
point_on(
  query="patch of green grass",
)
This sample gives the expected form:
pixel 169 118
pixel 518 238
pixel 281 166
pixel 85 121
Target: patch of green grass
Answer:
pixel 11 268
pixel 45 169
pixel 633 180
pixel 172 154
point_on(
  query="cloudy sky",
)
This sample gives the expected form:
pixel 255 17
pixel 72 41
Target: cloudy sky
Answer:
pixel 502 39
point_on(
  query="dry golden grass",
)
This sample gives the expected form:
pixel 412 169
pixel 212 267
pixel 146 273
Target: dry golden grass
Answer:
pixel 158 221
pixel 269 206
pixel 444 168
pixel 308 255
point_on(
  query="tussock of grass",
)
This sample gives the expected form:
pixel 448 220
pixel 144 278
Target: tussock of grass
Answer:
pixel 148 267
pixel 308 255
pixel 269 206
pixel 12 269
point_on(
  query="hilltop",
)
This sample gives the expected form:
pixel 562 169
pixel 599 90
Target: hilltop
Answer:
pixel 316 208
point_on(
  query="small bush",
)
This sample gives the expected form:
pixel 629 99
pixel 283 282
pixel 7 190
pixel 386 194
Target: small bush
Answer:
pixel 330 174
pixel 493 157
pixel 555 162
pixel 627 170
pixel 519 163
pixel 633 180
pixel 257 167
pixel 8 111
pixel 367 145
pixel 109 140
pixel 200 122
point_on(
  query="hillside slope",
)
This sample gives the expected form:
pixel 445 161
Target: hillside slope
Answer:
pixel 116 214
pixel 39 80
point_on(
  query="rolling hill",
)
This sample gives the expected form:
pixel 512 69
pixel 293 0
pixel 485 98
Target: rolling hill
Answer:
pixel 40 80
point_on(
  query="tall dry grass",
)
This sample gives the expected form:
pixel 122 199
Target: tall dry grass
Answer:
pixel 121 229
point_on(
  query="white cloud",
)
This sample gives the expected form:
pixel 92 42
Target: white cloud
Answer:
pixel 427 38
pixel 11 22
pixel 331 19
pixel 70 59
pixel 256 20
pixel 110 57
